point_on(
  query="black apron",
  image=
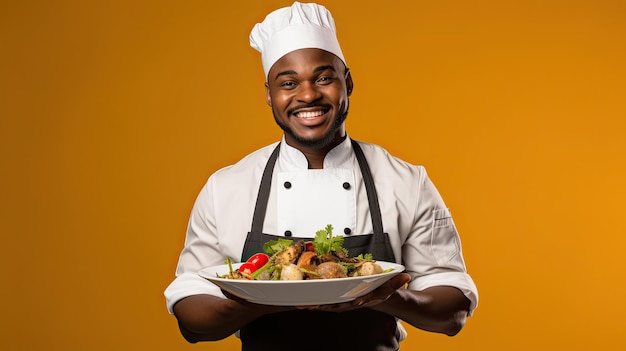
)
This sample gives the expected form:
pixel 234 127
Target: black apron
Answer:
pixel 363 329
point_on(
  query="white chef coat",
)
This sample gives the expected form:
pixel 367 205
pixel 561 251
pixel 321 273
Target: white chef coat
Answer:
pixel 421 230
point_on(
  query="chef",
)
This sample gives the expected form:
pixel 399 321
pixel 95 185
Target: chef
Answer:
pixel 317 175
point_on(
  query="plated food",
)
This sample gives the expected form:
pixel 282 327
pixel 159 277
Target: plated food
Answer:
pixel 322 258
pixel 319 278
pixel 300 292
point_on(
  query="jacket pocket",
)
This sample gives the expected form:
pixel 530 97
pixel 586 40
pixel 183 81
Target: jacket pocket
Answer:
pixel 445 239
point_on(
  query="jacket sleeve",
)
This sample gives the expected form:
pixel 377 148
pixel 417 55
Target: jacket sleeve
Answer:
pixel 201 250
pixel 432 252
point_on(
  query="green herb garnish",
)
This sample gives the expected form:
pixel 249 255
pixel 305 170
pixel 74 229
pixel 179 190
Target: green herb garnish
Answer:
pixel 367 257
pixel 325 242
pixel 273 247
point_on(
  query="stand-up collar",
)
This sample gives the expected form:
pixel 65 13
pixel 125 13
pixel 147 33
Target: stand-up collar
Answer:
pixel 293 159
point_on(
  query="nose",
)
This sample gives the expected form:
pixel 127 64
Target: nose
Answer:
pixel 308 92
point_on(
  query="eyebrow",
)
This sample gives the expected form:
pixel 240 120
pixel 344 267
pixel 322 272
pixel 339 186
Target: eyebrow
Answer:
pixel 316 70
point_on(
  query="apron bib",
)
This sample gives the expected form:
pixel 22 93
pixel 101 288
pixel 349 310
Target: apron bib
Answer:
pixel 363 329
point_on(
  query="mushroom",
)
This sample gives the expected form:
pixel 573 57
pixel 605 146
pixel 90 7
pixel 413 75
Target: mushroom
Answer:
pixel 330 270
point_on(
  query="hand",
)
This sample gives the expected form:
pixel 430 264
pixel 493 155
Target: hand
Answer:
pixel 375 297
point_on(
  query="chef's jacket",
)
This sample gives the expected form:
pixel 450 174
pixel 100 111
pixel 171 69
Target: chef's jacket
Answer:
pixel 420 227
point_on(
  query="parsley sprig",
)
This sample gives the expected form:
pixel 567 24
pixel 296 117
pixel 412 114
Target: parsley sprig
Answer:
pixel 273 247
pixel 325 242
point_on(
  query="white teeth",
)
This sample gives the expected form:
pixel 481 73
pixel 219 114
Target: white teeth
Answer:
pixel 310 114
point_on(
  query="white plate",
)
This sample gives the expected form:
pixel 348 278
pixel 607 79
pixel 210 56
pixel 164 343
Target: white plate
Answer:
pixel 300 292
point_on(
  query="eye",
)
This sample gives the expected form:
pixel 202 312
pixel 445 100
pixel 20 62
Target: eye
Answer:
pixel 323 80
pixel 288 84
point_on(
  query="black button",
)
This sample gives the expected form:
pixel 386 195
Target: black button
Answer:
pixel 287 232
pixel 287 185
pixel 346 185
pixel 347 231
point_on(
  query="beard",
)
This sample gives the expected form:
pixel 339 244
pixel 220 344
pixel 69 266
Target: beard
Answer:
pixel 315 143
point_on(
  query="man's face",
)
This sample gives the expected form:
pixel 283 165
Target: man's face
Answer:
pixel 308 91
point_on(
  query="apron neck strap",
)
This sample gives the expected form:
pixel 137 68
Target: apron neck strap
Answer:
pixel 372 196
pixel 264 192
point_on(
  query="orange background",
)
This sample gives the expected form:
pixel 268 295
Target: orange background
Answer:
pixel 114 113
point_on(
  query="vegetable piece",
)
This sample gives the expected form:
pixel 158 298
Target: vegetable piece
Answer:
pixel 366 257
pixel 247 268
pixel 258 260
pixel 291 272
pixel 234 274
pixel 275 246
pixel 230 265
pixel 325 242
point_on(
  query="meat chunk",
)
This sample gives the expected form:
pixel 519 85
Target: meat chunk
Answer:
pixel 367 268
pixel 308 260
pixel 289 255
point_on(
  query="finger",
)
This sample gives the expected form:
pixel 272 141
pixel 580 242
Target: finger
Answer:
pixel 399 280
pixel 390 286
pixel 337 307
pixel 383 292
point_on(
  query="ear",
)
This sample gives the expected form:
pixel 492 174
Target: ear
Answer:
pixel 349 82
pixel 268 97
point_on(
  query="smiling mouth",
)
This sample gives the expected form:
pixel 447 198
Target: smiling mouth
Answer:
pixel 310 114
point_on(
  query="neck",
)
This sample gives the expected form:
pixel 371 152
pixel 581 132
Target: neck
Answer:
pixel 315 156
pixel 316 160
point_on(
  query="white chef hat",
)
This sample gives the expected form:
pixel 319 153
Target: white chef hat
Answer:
pixel 300 26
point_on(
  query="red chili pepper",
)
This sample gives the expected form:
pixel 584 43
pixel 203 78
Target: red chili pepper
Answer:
pixel 258 260
pixel 248 268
